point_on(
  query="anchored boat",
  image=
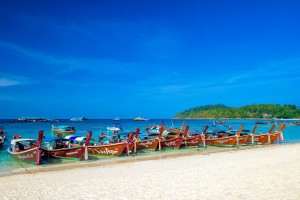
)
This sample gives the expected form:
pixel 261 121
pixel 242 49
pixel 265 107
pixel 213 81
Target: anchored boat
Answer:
pixel 27 150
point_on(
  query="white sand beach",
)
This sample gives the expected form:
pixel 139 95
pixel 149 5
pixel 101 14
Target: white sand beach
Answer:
pixel 272 172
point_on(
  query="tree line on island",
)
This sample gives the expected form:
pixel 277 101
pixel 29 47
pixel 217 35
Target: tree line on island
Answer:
pixel 256 111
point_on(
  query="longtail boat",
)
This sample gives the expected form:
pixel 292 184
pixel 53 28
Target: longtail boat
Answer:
pixel 172 130
pixel 114 149
pixel 151 141
pixel 63 130
pixel 27 150
pixel 245 138
pixel 222 141
pixel 174 140
pixel 269 137
pixel 193 140
pixel 61 148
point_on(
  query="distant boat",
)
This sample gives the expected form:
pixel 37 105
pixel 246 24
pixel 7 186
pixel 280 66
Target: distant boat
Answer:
pixel 115 127
pixel 63 130
pixel 30 119
pixel 57 120
pixel 140 119
pixel 116 119
pixel 219 122
pixel 262 122
pixel 297 123
pixel 78 119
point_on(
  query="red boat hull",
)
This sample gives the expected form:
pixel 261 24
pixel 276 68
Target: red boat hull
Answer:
pixel 172 142
pixel 191 141
pixel 30 155
pixel 225 141
pixel 263 139
pixel 148 144
pixel 114 149
pixel 73 152
pixel 33 154
pixel 243 140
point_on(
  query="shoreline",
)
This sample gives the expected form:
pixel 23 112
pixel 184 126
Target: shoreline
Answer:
pixel 271 172
pixel 149 155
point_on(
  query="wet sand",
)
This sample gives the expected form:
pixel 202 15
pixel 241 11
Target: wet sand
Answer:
pixel 272 172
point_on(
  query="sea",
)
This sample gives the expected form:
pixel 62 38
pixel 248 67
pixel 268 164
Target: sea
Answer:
pixel 9 166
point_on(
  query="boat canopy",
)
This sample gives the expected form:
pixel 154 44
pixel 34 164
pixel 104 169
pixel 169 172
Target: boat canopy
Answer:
pixel 72 137
pixel 79 139
pixel 76 138
pixel 13 142
pixel 64 127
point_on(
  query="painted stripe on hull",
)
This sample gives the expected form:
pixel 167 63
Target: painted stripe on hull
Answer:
pixel 114 149
pixel 226 141
pixel 263 139
pixel 147 144
pixel 30 155
pixel 191 141
pixel 172 143
pixel 67 152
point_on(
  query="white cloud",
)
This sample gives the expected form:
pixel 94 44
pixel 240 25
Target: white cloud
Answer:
pixel 12 80
pixel 7 82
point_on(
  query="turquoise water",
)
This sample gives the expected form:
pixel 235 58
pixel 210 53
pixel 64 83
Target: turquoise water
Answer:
pixel 30 130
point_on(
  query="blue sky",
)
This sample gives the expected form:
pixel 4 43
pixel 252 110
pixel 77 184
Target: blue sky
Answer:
pixel 102 59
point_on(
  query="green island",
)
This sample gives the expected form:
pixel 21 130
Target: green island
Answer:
pixel 255 111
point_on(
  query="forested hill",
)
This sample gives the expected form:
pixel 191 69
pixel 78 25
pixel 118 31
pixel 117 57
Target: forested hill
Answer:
pixel 267 111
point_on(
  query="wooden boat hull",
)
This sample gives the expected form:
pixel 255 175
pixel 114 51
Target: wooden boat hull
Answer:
pixel 245 139
pixel 64 132
pixel 225 141
pixel 114 149
pixel 191 141
pixel 147 144
pixel 263 139
pixel 73 152
pixel 30 155
pixel 172 142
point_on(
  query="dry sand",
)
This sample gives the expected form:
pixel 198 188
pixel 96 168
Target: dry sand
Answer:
pixel 258 173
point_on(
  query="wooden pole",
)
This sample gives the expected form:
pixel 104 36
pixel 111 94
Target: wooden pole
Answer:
pixel 87 140
pixel 238 135
pixel 203 135
pixel 252 134
pixel 39 144
pixel 270 131
pixel 159 137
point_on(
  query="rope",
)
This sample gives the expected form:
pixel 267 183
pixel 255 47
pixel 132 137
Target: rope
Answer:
pixel 29 172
